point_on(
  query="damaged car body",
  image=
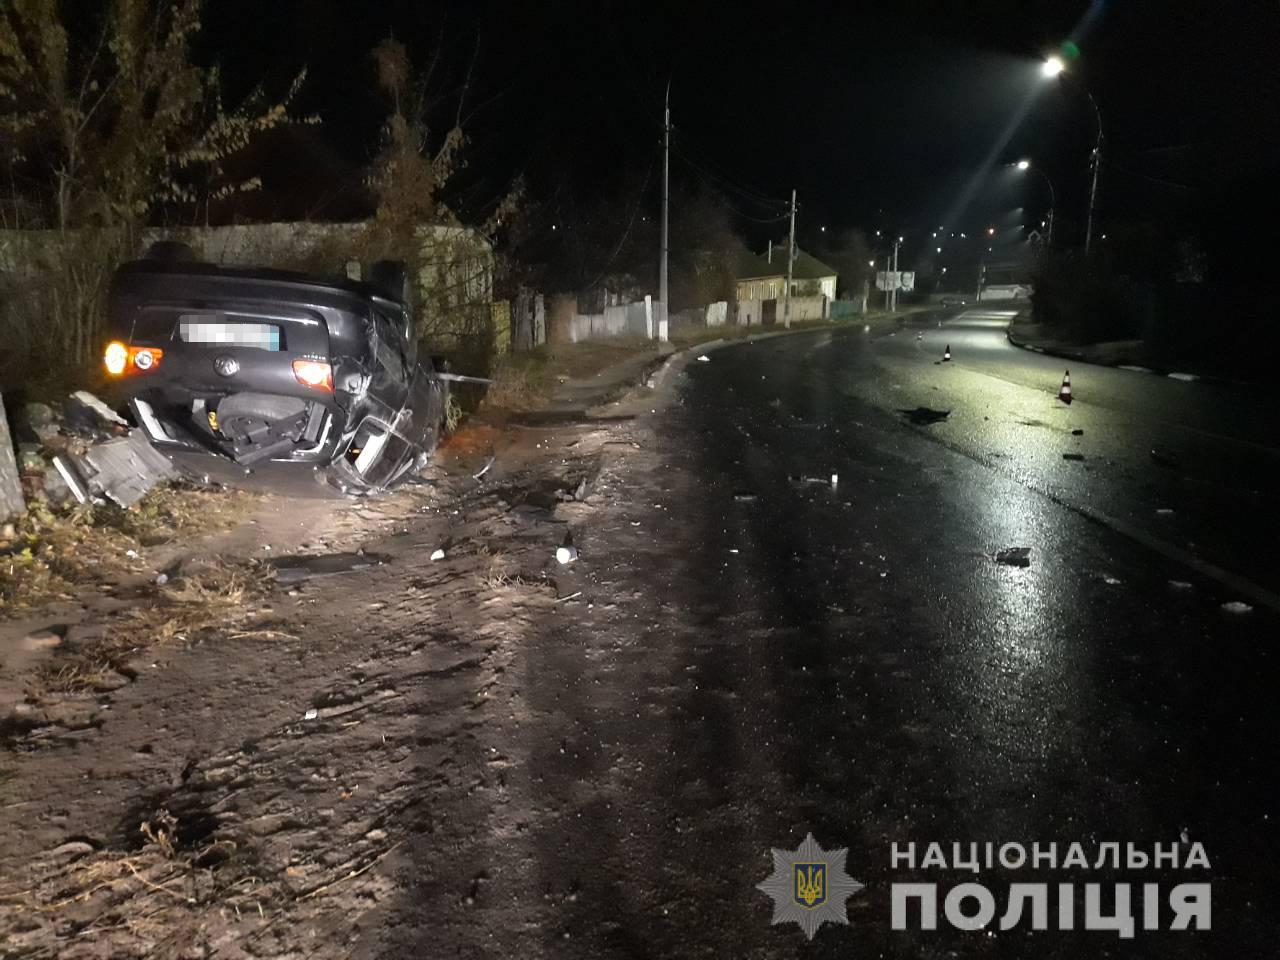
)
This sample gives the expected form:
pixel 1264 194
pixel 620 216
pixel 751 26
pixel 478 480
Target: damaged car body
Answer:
pixel 256 365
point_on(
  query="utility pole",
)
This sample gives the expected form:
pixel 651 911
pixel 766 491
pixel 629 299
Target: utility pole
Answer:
pixel 982 275
pixel 1093 187
pixel 791 259
pixel 893 308
pixel 666 172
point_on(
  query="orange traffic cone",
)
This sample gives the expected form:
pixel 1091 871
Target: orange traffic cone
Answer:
pixel 946 354
pixel 1064 392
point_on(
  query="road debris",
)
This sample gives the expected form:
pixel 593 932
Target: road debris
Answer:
pixel 704 359
pixel 1180 584
pixel 572 596
pixel 311 714
pixel 83 409
pixel 1164 511
pixel 1077 432
pixel 121 470
pixel 437 554
pixel 1073 456
pixel 745 497
pixel 484 469
pixel 566 554
pixel 1014 556
pixel 1235 606
pixel 1111 581
pixel 924 416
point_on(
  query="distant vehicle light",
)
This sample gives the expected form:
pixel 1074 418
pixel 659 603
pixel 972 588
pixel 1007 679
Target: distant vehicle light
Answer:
pixel 314 373
pixel 115 358
pixel 1052 67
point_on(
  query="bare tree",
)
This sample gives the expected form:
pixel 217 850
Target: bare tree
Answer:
pixel 101 124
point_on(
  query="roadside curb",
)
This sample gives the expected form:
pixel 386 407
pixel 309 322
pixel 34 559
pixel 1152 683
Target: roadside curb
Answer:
pixel 1077 356
pixel 678 360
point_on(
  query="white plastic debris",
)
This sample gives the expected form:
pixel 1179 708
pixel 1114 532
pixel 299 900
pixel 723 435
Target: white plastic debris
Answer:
pixel 162 579
pixel 311 714
pixel 131 554
pixel 1235 606
pixel 704 359
pixel 566 554
pixel 437 554
pixel 1180 584
pixel 1164 511
pixel 1110 580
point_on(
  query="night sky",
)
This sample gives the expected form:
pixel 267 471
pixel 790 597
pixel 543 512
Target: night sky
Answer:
pixel 893 116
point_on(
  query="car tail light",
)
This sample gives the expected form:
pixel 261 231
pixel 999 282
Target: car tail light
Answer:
pixel 121 360
pixel 115 358
pixel 314 373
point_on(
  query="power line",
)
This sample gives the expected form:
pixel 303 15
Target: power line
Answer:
pixel 747 193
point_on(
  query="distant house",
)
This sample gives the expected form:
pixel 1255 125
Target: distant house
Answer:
pixel 764 277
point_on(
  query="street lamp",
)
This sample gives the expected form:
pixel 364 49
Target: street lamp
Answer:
pixel 1053 197
pixel 1052 67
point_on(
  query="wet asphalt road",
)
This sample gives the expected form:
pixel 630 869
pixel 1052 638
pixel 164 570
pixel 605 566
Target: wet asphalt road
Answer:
pixel 868 672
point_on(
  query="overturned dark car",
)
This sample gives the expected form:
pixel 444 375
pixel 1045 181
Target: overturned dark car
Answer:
pixel 261 365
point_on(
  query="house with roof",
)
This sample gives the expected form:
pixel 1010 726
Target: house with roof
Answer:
pixel 762 282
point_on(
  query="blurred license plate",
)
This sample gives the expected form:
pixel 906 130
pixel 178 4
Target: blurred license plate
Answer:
pixel 263 336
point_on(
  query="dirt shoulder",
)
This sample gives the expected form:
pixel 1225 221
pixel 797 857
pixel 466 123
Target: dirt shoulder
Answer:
pixel 373 747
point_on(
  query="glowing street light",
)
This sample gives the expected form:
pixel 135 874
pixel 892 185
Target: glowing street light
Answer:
pixel 1052 67
pixel 1025 164
pixel 991 231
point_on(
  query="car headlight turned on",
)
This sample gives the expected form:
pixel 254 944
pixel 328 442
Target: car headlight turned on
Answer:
pixel 121 360
pixel 314 373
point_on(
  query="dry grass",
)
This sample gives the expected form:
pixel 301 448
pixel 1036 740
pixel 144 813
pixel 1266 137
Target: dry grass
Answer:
pixel 56 550
pixel 526 381
pixel 79 674
pixel 220 596
pixel 499 571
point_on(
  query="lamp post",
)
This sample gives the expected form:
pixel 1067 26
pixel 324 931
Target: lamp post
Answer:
pixel 1053 67
pixel 1053 197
